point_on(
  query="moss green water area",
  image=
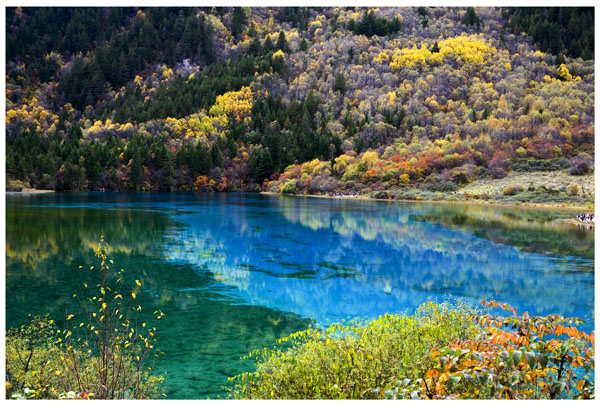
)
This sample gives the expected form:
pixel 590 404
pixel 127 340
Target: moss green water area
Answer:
pixel 235 272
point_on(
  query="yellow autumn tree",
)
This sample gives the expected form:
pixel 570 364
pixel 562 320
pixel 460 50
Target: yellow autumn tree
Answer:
pixel 463 49
pixel 234 104
pixel 564 74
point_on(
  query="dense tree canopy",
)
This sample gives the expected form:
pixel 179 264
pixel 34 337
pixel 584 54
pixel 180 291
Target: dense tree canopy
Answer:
pixel 295 99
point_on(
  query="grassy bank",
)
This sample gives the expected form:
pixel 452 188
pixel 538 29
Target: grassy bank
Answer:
pixel 555 189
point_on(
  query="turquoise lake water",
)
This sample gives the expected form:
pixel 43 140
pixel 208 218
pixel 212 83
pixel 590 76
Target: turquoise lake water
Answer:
pixel 235 272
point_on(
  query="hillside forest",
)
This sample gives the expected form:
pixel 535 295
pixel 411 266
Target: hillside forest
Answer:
pixel 294 99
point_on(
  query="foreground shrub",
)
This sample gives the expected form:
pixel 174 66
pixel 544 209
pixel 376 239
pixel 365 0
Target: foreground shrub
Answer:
pixel 354 361
pixel 514 357
pixel 442 352
pixel 38 368
pixel 32 358
pixel 104 352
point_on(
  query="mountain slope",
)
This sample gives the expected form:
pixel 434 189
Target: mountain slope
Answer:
pixel 289 99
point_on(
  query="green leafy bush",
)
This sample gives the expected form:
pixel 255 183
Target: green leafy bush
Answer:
pixel 289 187
pixel 31 358
pixel 353 361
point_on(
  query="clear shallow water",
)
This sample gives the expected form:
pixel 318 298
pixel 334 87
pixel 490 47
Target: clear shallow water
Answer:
pixel 234 272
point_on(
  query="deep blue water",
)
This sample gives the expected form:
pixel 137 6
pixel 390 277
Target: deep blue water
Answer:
pixel 234 272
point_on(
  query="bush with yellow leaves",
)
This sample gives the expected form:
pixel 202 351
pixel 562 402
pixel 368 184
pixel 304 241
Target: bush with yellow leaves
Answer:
pixel 104 352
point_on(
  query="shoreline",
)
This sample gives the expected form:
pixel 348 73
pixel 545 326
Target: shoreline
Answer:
pixel 525 205
pixel 26 191
pixel 473 202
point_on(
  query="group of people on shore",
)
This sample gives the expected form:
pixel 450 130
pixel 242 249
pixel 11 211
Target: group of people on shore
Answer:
pixel 585 217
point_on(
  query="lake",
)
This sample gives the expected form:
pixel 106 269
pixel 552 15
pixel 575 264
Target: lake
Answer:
pixel 235 272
